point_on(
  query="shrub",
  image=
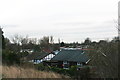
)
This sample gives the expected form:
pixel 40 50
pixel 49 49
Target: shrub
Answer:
pixel 41 67
pixel 10 57
pixel 73 72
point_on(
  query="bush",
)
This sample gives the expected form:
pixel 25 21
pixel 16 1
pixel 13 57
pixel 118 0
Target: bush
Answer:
pixel 73 72
pixel 27 65
pixel 59 70
pixel 10 57
pixel 41 67
pixel 84 72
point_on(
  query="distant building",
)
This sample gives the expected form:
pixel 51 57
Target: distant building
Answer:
pixel 38 57
pixel 70 57
pixel 27 50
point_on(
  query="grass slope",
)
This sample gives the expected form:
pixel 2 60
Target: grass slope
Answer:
pixel 18 72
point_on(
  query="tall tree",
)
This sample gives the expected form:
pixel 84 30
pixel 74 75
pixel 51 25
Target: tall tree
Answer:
pixel 44 42
pixel 17 39
pixel 51 40
pixel 3 39
pixel 24 40
pixel 87 41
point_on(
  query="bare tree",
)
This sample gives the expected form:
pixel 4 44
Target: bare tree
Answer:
pixel 33 40
pixel 51 40
pixel 24 40
pixel 59 40
pixel 105 58
pixel 44 42
pixel 17 39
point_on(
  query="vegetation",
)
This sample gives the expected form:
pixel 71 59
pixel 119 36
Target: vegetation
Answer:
pixel 73 71
pixel 103 56
pixel 18 72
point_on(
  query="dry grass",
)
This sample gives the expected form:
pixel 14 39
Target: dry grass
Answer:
pixel 0 71
pixel 17 72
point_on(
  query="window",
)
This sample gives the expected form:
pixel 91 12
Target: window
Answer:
pixel 65 62
pixel 79 64
pixel 65 65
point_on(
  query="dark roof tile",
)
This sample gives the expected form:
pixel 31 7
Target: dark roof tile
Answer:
pixel 71 55
pixel 37 55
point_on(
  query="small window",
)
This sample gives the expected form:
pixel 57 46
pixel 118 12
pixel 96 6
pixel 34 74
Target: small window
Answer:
pixel 65 62
pixel 79 64
pixel 65 65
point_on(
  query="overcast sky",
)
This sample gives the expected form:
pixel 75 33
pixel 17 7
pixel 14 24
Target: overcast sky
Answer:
pixel 69 20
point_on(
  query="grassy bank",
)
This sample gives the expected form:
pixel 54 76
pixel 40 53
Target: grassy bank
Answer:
pixel 0 71
pixel 18 72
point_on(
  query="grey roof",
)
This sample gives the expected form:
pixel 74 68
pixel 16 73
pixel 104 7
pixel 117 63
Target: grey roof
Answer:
pixel 71 55
pixel 37 55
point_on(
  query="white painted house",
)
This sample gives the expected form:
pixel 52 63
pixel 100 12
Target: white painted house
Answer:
pixel 38 57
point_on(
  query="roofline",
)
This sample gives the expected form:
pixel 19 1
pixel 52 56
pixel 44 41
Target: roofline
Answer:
pixel 67 60
pixel 88 61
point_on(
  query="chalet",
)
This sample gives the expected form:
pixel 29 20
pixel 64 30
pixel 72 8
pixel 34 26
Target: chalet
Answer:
pixel 38 57
pixel 70 57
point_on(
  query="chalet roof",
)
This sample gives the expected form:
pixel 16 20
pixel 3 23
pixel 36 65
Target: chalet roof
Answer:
pixel 37 55
pixel 71 55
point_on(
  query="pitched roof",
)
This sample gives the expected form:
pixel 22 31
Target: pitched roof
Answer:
pixel 47 50
pixel 37 55
pixel 71 55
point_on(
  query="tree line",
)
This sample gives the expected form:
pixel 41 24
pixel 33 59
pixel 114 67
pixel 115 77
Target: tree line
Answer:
pixel 104 54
